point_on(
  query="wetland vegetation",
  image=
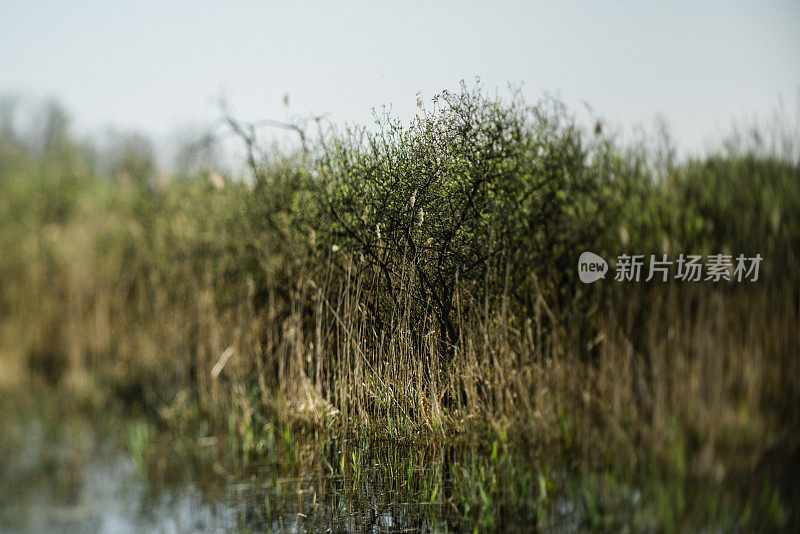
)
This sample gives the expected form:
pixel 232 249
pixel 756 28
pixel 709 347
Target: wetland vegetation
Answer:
pixel 385 329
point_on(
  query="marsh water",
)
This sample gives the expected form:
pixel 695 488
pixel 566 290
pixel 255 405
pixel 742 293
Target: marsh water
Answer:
pixel 70 474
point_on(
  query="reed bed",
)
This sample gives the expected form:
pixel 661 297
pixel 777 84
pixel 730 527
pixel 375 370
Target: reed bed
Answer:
pixel 417 286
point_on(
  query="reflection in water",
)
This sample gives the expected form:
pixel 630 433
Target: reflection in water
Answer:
pixel 67 478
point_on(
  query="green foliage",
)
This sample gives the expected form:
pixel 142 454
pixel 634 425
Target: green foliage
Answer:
pixel 477 197
pixel 459 231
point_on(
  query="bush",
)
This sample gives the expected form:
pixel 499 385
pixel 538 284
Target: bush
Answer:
pixel 477 197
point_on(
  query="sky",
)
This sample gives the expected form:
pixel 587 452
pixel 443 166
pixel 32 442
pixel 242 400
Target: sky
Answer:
pixel 160 67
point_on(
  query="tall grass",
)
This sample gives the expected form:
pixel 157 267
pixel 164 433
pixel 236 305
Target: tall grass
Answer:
pixel 418 285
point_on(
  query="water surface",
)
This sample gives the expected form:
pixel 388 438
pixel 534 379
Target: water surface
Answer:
pixel 68 476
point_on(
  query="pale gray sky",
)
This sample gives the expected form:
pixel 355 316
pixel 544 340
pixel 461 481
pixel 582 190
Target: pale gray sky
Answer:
pixel 155 65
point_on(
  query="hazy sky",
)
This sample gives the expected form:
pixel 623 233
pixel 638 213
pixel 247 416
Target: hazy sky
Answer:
pixel 155 66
